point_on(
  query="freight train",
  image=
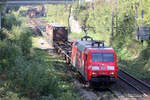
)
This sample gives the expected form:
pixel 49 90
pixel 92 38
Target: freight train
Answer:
pixel 94 60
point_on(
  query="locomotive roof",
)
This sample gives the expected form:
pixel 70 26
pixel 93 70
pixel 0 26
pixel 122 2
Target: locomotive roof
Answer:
pixel 83 45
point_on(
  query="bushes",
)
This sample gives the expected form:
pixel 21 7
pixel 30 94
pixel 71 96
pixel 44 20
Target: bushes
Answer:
pixel 9 20
pixel 9 52
pixel 26 74
pixel 32 78
pixel 14 44
pixel 70 96
pixel 3 34
pixel 25 41
pixel 29 74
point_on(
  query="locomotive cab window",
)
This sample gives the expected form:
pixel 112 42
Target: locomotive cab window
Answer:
pixel 106 57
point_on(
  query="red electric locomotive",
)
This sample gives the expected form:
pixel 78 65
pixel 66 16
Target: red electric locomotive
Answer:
pixel 95 61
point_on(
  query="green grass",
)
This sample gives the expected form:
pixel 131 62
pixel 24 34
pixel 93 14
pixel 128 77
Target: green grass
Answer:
pixel 34 41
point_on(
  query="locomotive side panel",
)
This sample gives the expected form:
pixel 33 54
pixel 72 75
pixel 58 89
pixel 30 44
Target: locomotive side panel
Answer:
pixel 73 55
pixel 116 68
pixel 79 61
pixel 86 66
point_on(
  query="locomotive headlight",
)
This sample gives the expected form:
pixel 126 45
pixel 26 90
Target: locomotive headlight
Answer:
pixel 111 73
pixel 94 73
pixel 95 67
pixel 110 67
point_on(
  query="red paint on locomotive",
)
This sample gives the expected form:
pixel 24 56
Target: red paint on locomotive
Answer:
pixel 95 61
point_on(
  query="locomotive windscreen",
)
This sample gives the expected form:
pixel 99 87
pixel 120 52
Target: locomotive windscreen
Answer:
pixel 106 57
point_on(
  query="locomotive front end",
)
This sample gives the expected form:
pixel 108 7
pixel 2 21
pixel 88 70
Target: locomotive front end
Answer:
pixel 95 61
pixel 102 66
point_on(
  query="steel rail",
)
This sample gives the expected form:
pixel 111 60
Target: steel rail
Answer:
pixel 114 93
pixel 140 81
pixel 143 93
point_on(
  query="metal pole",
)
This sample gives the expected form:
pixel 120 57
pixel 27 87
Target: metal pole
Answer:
pixel 79 2
pixel 142 12
pixel 112 28
pixel 0 21
pixel 85 31
pixel 70 14
pixel 5 9
pixel 116 16
pixel 93 2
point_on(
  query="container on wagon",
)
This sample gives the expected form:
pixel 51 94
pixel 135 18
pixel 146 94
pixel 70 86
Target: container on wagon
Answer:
pixel 55 32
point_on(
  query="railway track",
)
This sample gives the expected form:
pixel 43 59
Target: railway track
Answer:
pixel 116 94
pixel 65 49
pixel 137 84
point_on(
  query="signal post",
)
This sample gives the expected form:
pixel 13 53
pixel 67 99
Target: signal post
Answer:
pixel 0 20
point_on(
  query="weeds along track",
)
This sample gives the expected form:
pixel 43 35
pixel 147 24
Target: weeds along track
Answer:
pixel 135 83
pixel 116 94
pixel 65 48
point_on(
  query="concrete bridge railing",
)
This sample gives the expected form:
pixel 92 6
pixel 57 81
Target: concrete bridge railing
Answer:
pixel 35 2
